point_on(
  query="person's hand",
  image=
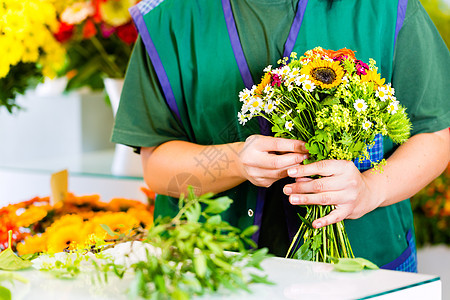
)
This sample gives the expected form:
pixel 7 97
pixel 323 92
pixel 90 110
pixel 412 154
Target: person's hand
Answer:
pixel 264 159
pixel 341 184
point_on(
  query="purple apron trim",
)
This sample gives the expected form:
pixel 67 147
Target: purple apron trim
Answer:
pixel 236 44
pixel 399 260
pixel 295 28
pixel 156 60
pixel 401 12
pixel 248 81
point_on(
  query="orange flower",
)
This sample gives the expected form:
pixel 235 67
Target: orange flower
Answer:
pixel 264 82
pixel 145 217
pixel 122 204
pixel 66 237
pixel 341 52
pixel 119 222
pixel 32 215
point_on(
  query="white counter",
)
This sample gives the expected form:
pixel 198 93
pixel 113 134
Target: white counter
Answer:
pixel 293 279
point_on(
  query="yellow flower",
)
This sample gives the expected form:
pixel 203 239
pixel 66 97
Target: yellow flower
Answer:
pixel 144 216
pixel 373 76
pixel 115 12
pixel 324 73
pixel 66 237
pixel 119 222
pixel 264 82
pixel 31 215
pixel 32 244
pixel 64 221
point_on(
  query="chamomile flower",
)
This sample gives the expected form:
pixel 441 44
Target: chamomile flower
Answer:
pixel 366 125
pixel 243 118
pixel 360 105
pixel 382 93
pixel 255 105
pixel 286 114
pixel 244 96
pixel 301 79
pixel 393 107
pixel 269 107
pixel 289 125
pixel 268 69
pixel 390 90
pixel 308 86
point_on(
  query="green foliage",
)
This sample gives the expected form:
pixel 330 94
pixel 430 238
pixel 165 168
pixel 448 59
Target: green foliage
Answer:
pixel 197 253
pixel 193 259
pixel 431 209
pixel 20 78
pixel 439 12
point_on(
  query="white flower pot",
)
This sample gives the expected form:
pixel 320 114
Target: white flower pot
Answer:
pixel 125 161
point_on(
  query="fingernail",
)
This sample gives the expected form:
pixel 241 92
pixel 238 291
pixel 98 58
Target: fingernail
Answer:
pixel 292 172
pixel 294 199
pixel 287 190
pixel 318 224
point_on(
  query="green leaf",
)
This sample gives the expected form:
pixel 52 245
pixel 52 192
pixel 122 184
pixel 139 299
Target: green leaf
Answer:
pixel 108 230
pixel 353 264
pixel 317 241
pixel 10 261
pixel 218 205
pixel 249 231
pixel 307 223
pixel 5 294
pixel 200 265
pixel 194 212
pixel 330 100
pixel 305 252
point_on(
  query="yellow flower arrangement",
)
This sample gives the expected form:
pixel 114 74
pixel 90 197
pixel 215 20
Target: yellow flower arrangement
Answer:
pixel 29 49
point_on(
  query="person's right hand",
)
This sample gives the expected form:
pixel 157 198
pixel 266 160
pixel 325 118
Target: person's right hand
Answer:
pixel 265 159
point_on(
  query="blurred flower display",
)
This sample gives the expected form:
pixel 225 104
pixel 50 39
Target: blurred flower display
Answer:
pixel 38 226
pixel 30 51
pixel 98 36
pixel 431 208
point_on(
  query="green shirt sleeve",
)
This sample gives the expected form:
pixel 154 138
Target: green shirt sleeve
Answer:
pixel 421 72
pixel 143 118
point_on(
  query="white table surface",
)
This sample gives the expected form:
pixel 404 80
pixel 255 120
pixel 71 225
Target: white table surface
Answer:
pixel 293 279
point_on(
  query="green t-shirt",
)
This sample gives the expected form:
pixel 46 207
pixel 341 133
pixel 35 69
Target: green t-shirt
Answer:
pixel 419 77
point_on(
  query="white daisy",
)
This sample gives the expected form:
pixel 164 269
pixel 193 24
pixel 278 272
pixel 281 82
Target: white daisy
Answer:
pixel 289 125
pixel 360 105
pixel 244 96
pixel 269 107
pixel 268 69
pixel 382 93
pixel 255 105
pixel 366 124
pixel 286 114
pixel 308 86
pixel 301 79
pixel 242 118
pixel 393 107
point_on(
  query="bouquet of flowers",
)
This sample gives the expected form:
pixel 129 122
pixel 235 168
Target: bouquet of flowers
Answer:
pixel 99 36
pixel 77 221
pixel 338 105
pixel 29 50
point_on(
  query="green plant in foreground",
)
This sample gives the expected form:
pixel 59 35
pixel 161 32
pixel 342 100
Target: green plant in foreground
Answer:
pixel 193 254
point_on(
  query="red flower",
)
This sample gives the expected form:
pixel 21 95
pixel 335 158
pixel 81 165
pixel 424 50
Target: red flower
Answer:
pixel 127 33
pixel 65 32
pixel 89 29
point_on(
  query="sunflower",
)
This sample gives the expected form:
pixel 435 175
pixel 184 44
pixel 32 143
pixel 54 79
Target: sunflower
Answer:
pixel 373 76
pixel 324 73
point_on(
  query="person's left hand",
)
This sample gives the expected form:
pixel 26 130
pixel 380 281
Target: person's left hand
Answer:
pixel 341 184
